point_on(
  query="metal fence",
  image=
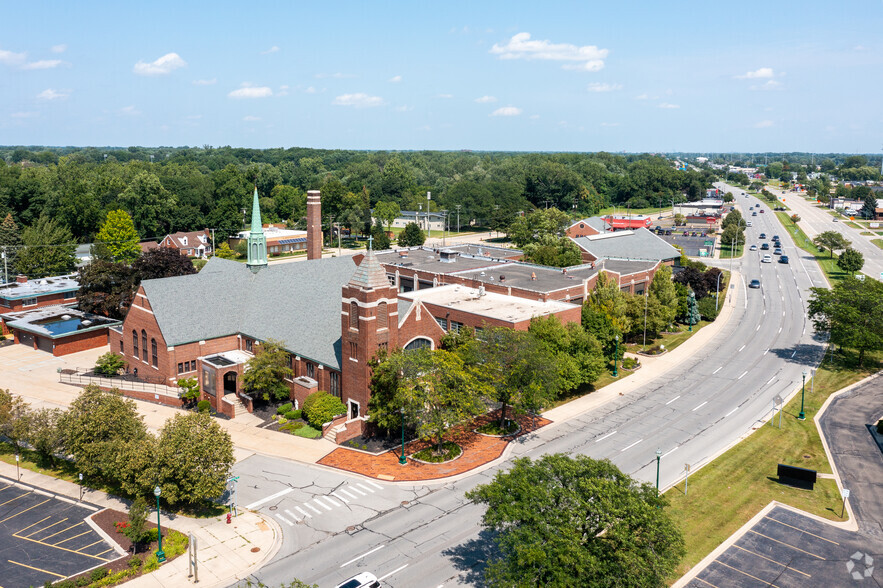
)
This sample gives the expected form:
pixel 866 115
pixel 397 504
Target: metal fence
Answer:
pixel 79 379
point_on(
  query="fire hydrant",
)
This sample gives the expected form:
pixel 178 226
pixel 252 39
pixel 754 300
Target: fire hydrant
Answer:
pixel 229 518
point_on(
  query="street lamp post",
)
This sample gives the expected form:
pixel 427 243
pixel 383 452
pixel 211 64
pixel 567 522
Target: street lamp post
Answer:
pixel 691 300
pixel 81 486
pixel 160 554
pixel 615 355
pixel 658 459
pixel 17 471
pixel 402 459
pixel 802 415
pixel 717 290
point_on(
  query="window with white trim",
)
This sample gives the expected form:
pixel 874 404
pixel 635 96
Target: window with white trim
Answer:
pixel 29 302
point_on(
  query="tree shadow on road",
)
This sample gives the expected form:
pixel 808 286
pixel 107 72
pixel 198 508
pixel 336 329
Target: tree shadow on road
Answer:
pixel 802 354
pixel 471 558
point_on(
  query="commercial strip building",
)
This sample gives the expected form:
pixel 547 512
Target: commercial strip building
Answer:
pixel 25 294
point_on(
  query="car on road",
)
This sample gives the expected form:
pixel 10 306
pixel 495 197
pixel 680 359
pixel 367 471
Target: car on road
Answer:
pixel 762 236
pixel 761 211
pixel 835 220
pixel 765 247
pixel 748 223
pixel 777 251
pixel 775 237
pixel 754 284
pixel 783 259
pixel 753 248
pixel 363 580
pixel 753 214
pixel 767 258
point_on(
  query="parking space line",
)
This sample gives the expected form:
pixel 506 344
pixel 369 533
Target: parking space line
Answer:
pixel 25 510
pixel 31 525
pixel 786 544
pixel 69 538
pixel 43 529
pixel 59 533
pixel 13 499
pixel 705 582
pixel 33 568
pixel 801 530
pixel 773 561
pixel 90 545
pixel 38 542
pixel 745 573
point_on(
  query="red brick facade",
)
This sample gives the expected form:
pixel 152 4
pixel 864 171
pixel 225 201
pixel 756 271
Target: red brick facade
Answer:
pixel 41 301
pixel 314 225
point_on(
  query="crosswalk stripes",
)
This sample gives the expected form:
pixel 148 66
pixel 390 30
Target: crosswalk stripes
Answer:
pixel 284 520
pixel 362 486
pixel 341 497
pixel 292 515
pixel 303 512
pixel 311 507
pixel 322 504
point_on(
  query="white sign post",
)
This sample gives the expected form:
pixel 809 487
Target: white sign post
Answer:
pixel 687 478
pixel 845 496
pixel 191 559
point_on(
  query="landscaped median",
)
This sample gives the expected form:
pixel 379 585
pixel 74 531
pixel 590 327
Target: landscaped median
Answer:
pixel 827 263
pixel 726 493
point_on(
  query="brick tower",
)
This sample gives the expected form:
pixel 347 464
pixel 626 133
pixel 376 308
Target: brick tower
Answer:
pixel 369 322
pixel 314 225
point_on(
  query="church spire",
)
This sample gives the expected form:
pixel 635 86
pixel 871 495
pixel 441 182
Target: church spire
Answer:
pixel 257 242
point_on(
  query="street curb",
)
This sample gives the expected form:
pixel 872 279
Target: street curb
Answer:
pixel 268 556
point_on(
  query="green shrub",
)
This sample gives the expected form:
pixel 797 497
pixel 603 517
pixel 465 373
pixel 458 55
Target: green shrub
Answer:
pixel 707 308
pixel 629 363
pixel 284 408
pixel 203 406
pixel 150 564
pixel 83 581
pixel 320 407
pixel 135 563
pixel 99 573
pixel 175 544
pixel 109 364
pixel 307 432
pixel 291 415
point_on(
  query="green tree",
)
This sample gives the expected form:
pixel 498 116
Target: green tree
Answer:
pixel 194 459
pixel 412 236
pixel 381 239
pixel 107 288
pixel 10 242
pixel 96 427
pixel 44 435
pixel 734 217
pixel 662 290
pixel 117 240
pixel 851 261
pixel 534 226
pixel 850 314
pixel 680 220
pixel 109 364
pixel 576 353
pixel 553 251
pixel 320 407
pixel 563 521
pixel 869 206
pixel 189 389
pixel 48 250
pixel 266 372
pixel 224 252
pixel 733 234
pixel 832 241
pixel 150 204
pixel 136 531
pixel 162 262
pixel 15 418
pixel 387 212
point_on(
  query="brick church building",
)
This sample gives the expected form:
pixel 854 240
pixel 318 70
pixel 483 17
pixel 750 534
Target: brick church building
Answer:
pixel 332 316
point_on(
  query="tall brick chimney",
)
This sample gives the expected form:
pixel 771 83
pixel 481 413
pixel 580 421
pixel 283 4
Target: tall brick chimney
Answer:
pixel 314 225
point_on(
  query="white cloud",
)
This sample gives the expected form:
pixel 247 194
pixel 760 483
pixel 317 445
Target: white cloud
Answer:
pixel 768 85
pixel 604 87
pixel 272 49
pixel 162 66
pixel 210 82
pixel 763 72
pixel 24 115
pixel 668 105
pixel 251 118
pixel 506 111
pixel 249 91
pixel 486 99
pixel 859 48
pixel 43 64
pixel 445 96
pixel 59 48
pixel 51 94
pixel 310 90
pixel 520 46
pixel 11 58
pixel 358 100
pixel 764 124
pixel 283 91
pixel 395 79
pixel 129 111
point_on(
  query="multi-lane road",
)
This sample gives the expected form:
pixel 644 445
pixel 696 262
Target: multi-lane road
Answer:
pixel 335 525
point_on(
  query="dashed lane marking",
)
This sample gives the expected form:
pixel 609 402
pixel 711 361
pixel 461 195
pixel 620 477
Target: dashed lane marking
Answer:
pixel 743 375
pixel 385 576
pixel 630 446
pixel 599 439
pixel 358 557
pixel 700 406
pixel 673 399
pixel 720 368
pixel 731 412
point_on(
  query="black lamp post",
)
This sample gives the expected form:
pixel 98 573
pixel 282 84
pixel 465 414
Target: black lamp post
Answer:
pixel 615 355
pixel 160 554
pixel 402 459
pixel 802 415
pixel 658 458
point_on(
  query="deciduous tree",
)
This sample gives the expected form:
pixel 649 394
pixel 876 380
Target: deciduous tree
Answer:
pixel 48 250
pixel 162 262
pixel 387 212
pixel 832 241
pixel 43 433
pixel 10 242
pixel 117 240
pixel 412 236
pixel 851 313
pixel 851 261
pixel 15 418
pixel 266 372
pixel 106 287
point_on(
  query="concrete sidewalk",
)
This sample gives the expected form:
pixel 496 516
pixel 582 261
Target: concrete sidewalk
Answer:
pixel 226 553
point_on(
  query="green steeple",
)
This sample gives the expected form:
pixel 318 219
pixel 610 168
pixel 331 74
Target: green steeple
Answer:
pixel 257 242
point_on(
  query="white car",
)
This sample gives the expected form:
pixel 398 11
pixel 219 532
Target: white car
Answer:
pixel 753 248
pixel 363 580
pixel 767 258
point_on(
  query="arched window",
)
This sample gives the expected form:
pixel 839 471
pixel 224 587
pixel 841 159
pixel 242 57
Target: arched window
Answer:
pixel 382 316
pixel 134 343
pixel 419 343
pixel 144 345
pixel 154 358
pixel 354 315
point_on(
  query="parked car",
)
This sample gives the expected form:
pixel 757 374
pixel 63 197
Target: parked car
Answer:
pixel 363 580
pixel 783 259
pixel 753 248
pixel 767 258
pixel 754 284
pixel 835 220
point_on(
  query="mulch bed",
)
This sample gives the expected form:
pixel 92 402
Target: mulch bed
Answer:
pixel 478 450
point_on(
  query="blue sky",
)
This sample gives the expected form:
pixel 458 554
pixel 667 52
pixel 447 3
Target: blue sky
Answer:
pixel 571 76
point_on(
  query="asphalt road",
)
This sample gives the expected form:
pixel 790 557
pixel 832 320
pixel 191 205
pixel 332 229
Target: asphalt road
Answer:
pixel 690 414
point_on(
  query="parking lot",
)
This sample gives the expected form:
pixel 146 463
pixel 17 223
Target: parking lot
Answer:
pixel 46 538
pixel 786 549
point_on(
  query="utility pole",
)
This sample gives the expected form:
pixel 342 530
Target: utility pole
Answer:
pixel 213 242
pixel 428 226
pixel 458 218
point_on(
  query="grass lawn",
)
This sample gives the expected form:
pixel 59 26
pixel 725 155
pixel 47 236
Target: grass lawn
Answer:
pixel 878 242
pixel 854 225
pixel 636 211
pixel 725 251
pixel 726 493
pixel 397 230
pixel 826 262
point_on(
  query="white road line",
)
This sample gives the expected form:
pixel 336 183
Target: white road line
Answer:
pixel 804 330
pixel 378 486
pixel 303 512
pixel 357 558
pixel 780 330
pixel 767 351
pixel 291 514
pixel 764 311
pixel 721 367
pixel 333 502
pixel 700 406
pixel 363 487
pixel 770 381
pixel 793 354
pixel 313 508
pixel 392 572
pixel 284 520
pixel 740 349
pixel 342 491
pixel 673 399
pixel 670 451
pixel 322 504
pixel 256 504
pixel 731 412
pixel 604 437
pixel 630 446
pixel 339 497
pixel 742 376
pixel 757 329
pixel 354 489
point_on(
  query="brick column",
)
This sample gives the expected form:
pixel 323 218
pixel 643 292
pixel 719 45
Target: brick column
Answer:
pixel 314 225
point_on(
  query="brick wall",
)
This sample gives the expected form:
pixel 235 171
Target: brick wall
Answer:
pixel 80 342
pixel 44 300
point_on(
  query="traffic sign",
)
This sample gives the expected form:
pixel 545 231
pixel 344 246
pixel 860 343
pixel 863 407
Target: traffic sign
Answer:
pixel 846 493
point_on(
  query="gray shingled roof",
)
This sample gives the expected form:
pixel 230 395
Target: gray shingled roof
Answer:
pixel 635 244
pixel 596 222
pixel 296 303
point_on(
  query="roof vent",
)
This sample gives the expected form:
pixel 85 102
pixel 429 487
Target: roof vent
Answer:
pixel 65 317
